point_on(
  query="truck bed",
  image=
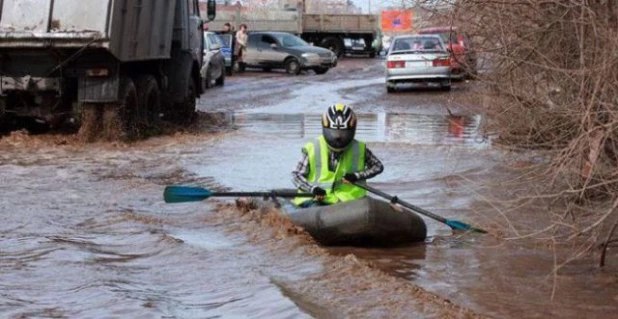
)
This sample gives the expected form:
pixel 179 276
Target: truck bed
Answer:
pixel 287 21
pixel 340 23
pixel 121 26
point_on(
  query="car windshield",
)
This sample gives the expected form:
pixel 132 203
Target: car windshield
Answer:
pixel 225 39
pixel 214 39
pixel 288 41
pixel 417 44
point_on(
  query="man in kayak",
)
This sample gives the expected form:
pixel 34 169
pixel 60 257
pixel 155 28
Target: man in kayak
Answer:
pixel 334 161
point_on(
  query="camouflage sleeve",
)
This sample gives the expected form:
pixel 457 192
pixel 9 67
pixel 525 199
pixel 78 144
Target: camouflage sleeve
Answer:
pixel 300 174
pixel 373 166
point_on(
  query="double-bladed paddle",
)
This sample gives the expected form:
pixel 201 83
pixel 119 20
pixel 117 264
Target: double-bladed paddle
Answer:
pixel 181 194
pixel 454 224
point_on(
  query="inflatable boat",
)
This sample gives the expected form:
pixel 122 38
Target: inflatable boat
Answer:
pixel 366 222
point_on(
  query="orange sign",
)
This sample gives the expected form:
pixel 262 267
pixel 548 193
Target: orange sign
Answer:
pixel 397 20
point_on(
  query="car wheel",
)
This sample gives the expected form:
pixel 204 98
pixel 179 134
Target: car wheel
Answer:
pixel 390 87
pixel 445 87
pixel 221 80
pixel 292 66
pixel 320 70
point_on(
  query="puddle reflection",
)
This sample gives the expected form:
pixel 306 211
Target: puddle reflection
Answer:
pixel 380 127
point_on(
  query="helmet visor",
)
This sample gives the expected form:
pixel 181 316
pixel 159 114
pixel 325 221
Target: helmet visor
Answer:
pixel 338 139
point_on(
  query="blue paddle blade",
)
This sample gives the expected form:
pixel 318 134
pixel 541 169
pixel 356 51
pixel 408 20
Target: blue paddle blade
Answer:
pixel 455 224
pixel 181 194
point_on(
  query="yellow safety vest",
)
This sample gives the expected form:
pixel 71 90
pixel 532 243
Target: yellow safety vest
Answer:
pixel 352 160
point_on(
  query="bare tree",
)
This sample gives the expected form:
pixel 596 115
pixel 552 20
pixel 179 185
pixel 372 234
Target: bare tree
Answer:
pixel 551 79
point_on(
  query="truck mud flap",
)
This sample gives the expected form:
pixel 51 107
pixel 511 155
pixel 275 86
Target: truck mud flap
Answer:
pixel 98 89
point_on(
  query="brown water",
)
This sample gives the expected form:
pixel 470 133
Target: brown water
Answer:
pixel 85 232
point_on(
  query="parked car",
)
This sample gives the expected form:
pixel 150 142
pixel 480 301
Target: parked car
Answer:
pixel 355 46
pixel 463 58
pixel 276 50
pixel 213 67
pixel 418 59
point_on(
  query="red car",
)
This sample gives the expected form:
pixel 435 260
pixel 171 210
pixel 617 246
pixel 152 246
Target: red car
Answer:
pixel 463 58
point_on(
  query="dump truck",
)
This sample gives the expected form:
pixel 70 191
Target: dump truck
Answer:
pixel 112 67
pixel 326 30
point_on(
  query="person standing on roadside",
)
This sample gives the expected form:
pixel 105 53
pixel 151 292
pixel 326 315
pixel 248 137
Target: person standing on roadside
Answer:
pixel 241 46
pixel 227 30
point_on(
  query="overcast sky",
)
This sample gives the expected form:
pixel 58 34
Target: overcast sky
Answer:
pixel 375 4
pixel 364 5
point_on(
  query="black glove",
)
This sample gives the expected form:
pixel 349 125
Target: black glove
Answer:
pixel 318 191
pixel 350 177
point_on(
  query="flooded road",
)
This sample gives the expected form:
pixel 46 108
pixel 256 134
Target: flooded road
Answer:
pixel 85 232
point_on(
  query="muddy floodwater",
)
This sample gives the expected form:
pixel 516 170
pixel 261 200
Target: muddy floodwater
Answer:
pixel 85 232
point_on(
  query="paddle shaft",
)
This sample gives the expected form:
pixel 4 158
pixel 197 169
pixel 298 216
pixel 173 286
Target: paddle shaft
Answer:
pixel 396 200
pixel 260 194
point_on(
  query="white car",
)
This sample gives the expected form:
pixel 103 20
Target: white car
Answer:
pixel 213 68
pixel 418 59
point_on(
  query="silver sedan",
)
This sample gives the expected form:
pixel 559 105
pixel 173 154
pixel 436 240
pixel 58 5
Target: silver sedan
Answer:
pixel 418 59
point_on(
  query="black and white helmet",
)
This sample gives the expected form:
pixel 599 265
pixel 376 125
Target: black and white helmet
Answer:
pixel 339 126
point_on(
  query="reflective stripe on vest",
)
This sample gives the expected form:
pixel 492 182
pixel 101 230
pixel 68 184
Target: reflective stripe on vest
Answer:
pixel 352 160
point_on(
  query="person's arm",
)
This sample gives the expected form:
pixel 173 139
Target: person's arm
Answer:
pixel 237 37
pixel 373 166
pixel 299 175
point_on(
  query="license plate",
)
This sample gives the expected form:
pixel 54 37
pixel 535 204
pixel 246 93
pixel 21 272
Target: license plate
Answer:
pixel 416 65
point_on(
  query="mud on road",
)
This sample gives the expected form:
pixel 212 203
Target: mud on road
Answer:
pixel 85 232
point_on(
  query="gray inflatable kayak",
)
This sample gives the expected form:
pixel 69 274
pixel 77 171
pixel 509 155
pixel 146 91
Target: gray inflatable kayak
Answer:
pixel 367 222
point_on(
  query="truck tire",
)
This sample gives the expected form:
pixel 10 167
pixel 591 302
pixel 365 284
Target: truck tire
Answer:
pixel 119 119
pixel 334 44
pixel 186 110
pixel 90 122
pixel 149 102
pixel 292 66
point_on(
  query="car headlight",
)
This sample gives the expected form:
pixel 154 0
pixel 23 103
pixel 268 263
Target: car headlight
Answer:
pixel 309 55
